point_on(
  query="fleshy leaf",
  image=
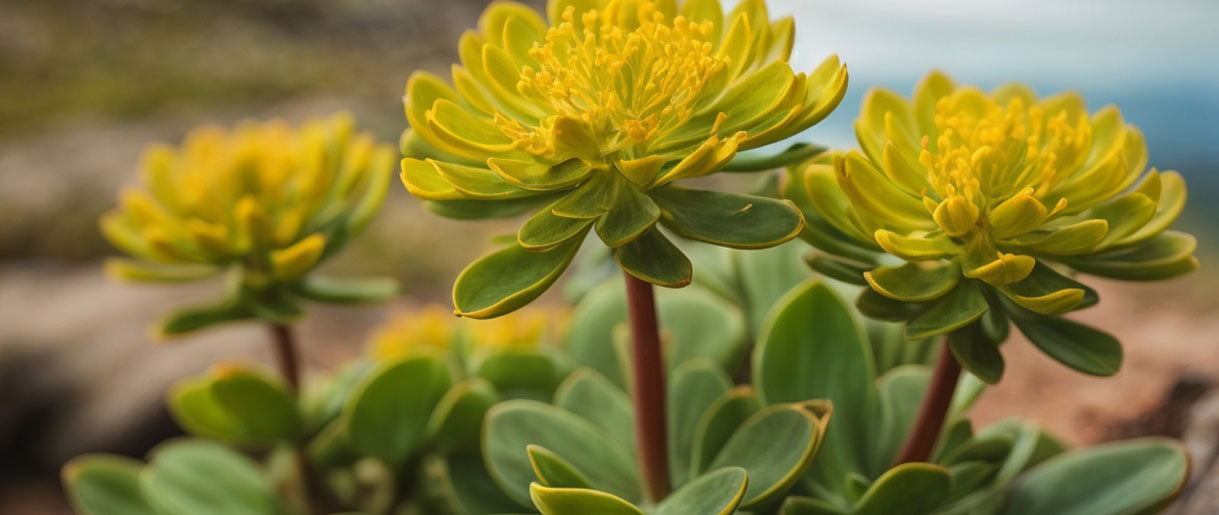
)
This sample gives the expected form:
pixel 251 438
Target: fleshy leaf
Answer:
pixel 388 413
pixel 914 282
pixel 961 306
pixel 100 484
pixel 714 493
pixel 653 258
pixel 567 501
pixel 503 281
pixel 726 219
pixel 1073 344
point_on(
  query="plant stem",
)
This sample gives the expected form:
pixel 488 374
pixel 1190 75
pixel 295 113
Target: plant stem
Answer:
pixel 649 388
pixel 283 346
pixel 930 420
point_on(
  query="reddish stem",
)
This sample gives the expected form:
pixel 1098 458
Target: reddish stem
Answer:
pixel 930 421
pixel 283 346
pixel 649 388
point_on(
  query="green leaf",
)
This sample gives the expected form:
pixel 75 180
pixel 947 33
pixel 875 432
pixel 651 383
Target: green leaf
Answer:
pixel 512 426
pixel 456 422
pixel 811 347
pixel 554 471
pixel 630 216
pixel 958 308
pixel 758 161
pixel 520 373
pixel 503 281
pixel 1073 344
pixel 977 353
pixel 347 291
pixel 589 394
pixel 714 493
pixel 545 229
pixel 914 282
pixel 202 317
pixel 263 408
pixel 195 409
pixel 718 423
pixel 138 271
pixel 766 276
pixel 653 258
pixel 879 307
pixel 477 209
pixel 692 388
pixel 1136 476
pixel 796 505
pixel 841 269
pixel 388 413
pixel 99 484
pixel 774 446
pixel 1167 255
pixel 197 477
pixel 901 392
pixel 461 483
pixel 727 219
pixel 569 501
pixel 969 477
pixel 907 489
pixel 1050 293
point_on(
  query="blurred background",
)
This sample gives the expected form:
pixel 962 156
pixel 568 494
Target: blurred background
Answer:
pixel 85 84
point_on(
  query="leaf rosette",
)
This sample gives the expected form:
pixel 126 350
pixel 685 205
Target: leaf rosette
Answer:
pixel 988 202
pixel 265 200
pixel 588 118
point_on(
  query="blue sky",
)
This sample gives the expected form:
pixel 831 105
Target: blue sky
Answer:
pixel 1158 61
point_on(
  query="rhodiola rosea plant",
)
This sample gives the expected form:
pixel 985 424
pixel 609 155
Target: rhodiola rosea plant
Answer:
pixel 747 385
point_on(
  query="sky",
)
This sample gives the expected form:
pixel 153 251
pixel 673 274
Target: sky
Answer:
pixel 1157 60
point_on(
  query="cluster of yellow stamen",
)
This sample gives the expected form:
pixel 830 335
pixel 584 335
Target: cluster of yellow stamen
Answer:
pixel 428 332
pixel 434 331
pixel 630 78
pixel 987 154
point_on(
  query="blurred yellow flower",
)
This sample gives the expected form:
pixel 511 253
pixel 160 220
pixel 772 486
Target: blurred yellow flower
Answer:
pixel 264 198
pixel 435 331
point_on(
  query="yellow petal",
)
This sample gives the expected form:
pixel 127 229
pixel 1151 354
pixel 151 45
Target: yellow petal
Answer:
pixel 956 215
pixel 1006 269
pixel 1017 215
pixel 292 262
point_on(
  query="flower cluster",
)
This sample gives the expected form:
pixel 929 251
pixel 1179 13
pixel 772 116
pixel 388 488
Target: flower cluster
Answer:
pixel 263 199
pixel 998 192
pixel 589 119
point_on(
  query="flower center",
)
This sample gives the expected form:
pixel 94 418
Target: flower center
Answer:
pixel 987 153
pixel 629 76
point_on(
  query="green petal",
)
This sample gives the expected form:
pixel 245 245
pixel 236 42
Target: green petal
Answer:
pixel 129 270
pixel 916 248
pixel 914 282
pixel 873 193
pixel 1078 238
pixel 198 318
pixel 1125 216
pixel 653 258
pixel 1167 255
pixel 1171 203
pixel 726 219
pixel 540 176
pixel 478 182
pixel 631 214
pixel 545 230
pixel 476 209
pixel 503 281
pixel 961 306
pixel 1049 293
pixel 1073 344
pixel 568 501
pixel 590 200
pixel 347 291
pixel 843 269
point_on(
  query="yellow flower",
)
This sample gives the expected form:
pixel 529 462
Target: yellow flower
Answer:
pixel 991 192
pixel 434 331
pixel 263 198
pixel 591 116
